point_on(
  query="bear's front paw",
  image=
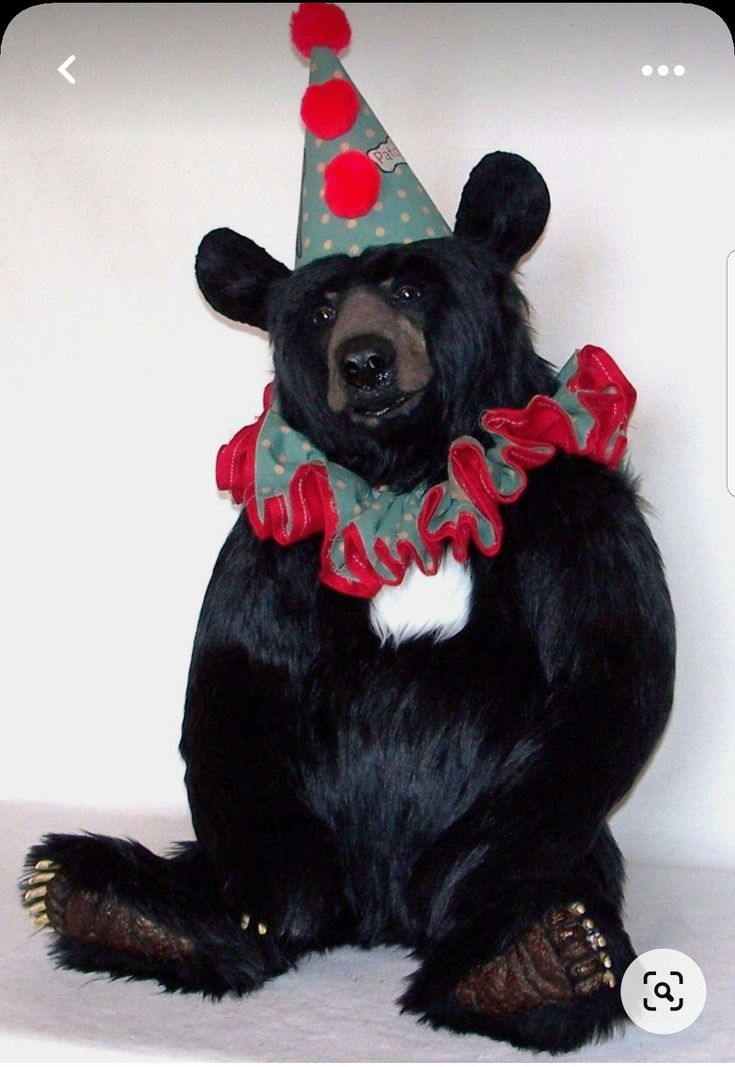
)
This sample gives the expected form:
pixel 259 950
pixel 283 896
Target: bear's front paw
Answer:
pixel 562 957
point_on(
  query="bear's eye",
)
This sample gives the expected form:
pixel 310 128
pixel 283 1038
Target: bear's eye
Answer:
pixel 324 313
pixel 406 293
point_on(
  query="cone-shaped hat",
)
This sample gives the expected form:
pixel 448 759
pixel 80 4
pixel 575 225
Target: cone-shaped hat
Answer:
pixel 357 190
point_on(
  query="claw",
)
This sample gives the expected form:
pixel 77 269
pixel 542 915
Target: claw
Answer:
pixel 245 923
pixel 605 960
pixel 46 865
pixel 41 879
pixel 577 907
pixel 41 920
pixel 609 979
pixel 37 908
pixel 35 894
pixel 588 924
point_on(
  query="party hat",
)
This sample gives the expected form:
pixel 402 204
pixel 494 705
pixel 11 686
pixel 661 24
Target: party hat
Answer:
pixel 357 190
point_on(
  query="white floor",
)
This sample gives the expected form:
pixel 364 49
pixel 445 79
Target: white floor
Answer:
pixel 336 1008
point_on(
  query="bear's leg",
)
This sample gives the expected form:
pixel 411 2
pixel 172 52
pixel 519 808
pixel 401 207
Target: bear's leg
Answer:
pixel 113 906
pixel 536 964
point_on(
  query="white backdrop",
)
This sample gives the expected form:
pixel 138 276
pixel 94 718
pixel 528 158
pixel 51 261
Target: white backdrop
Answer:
pixel 118 383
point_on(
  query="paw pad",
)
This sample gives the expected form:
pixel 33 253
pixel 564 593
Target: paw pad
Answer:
pixel 560 958
pixel 579 944
pixel 97 920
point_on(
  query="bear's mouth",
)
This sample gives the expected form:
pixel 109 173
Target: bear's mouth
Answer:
pixel 384 408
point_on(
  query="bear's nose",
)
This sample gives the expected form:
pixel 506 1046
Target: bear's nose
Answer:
pixel 367 364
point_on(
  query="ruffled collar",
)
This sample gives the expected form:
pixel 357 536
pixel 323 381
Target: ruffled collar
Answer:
pixel 371 535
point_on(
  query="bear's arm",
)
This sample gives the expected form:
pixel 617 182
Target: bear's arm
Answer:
pixel 252 650
pixel 593 600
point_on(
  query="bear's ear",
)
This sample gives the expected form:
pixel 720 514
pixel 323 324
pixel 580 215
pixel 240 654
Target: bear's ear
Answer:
pixel 506 203
pixel 234 274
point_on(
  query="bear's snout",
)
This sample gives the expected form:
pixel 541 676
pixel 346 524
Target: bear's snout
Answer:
pixel 367 363
pixel 377 358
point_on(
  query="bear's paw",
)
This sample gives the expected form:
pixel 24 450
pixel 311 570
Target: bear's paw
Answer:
pixel 562 957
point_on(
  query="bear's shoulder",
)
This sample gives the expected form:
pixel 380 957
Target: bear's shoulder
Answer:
pixel 580 509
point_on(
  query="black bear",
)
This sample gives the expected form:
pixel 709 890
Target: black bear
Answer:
pixel 428 763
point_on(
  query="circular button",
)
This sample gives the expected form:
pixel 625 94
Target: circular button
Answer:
pixel 663 991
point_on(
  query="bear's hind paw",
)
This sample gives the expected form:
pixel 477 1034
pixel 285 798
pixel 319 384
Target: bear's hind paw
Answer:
pixel 96 920
pixel 562 957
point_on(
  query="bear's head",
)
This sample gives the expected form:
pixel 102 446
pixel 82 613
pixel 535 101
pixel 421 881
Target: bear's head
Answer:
pixel 383 359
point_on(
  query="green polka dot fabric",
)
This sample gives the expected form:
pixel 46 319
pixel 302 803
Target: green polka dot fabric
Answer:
pixel 403 212
pixel 370 533
pixel 375 513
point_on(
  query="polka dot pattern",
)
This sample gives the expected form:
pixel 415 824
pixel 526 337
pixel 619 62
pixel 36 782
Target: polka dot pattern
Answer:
pixel 372 511
pixel 402 214
pixel 290 489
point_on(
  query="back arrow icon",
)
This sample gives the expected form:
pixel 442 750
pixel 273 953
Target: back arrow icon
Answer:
pixel 64 72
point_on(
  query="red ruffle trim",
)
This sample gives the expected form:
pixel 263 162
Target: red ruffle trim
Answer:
pixel 530 437
pixel 601 388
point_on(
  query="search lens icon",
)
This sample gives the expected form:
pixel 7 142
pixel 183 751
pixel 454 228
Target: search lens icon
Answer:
pixel 663 991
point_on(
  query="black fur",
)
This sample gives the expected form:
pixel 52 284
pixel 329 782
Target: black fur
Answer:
pixel 439 796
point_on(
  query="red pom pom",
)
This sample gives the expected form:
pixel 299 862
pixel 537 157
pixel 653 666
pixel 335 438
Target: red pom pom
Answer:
pixel 319 26
pixel 330 109
pixel 351 185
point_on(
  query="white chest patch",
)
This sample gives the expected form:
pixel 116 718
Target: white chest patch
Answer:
pixel 422 604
